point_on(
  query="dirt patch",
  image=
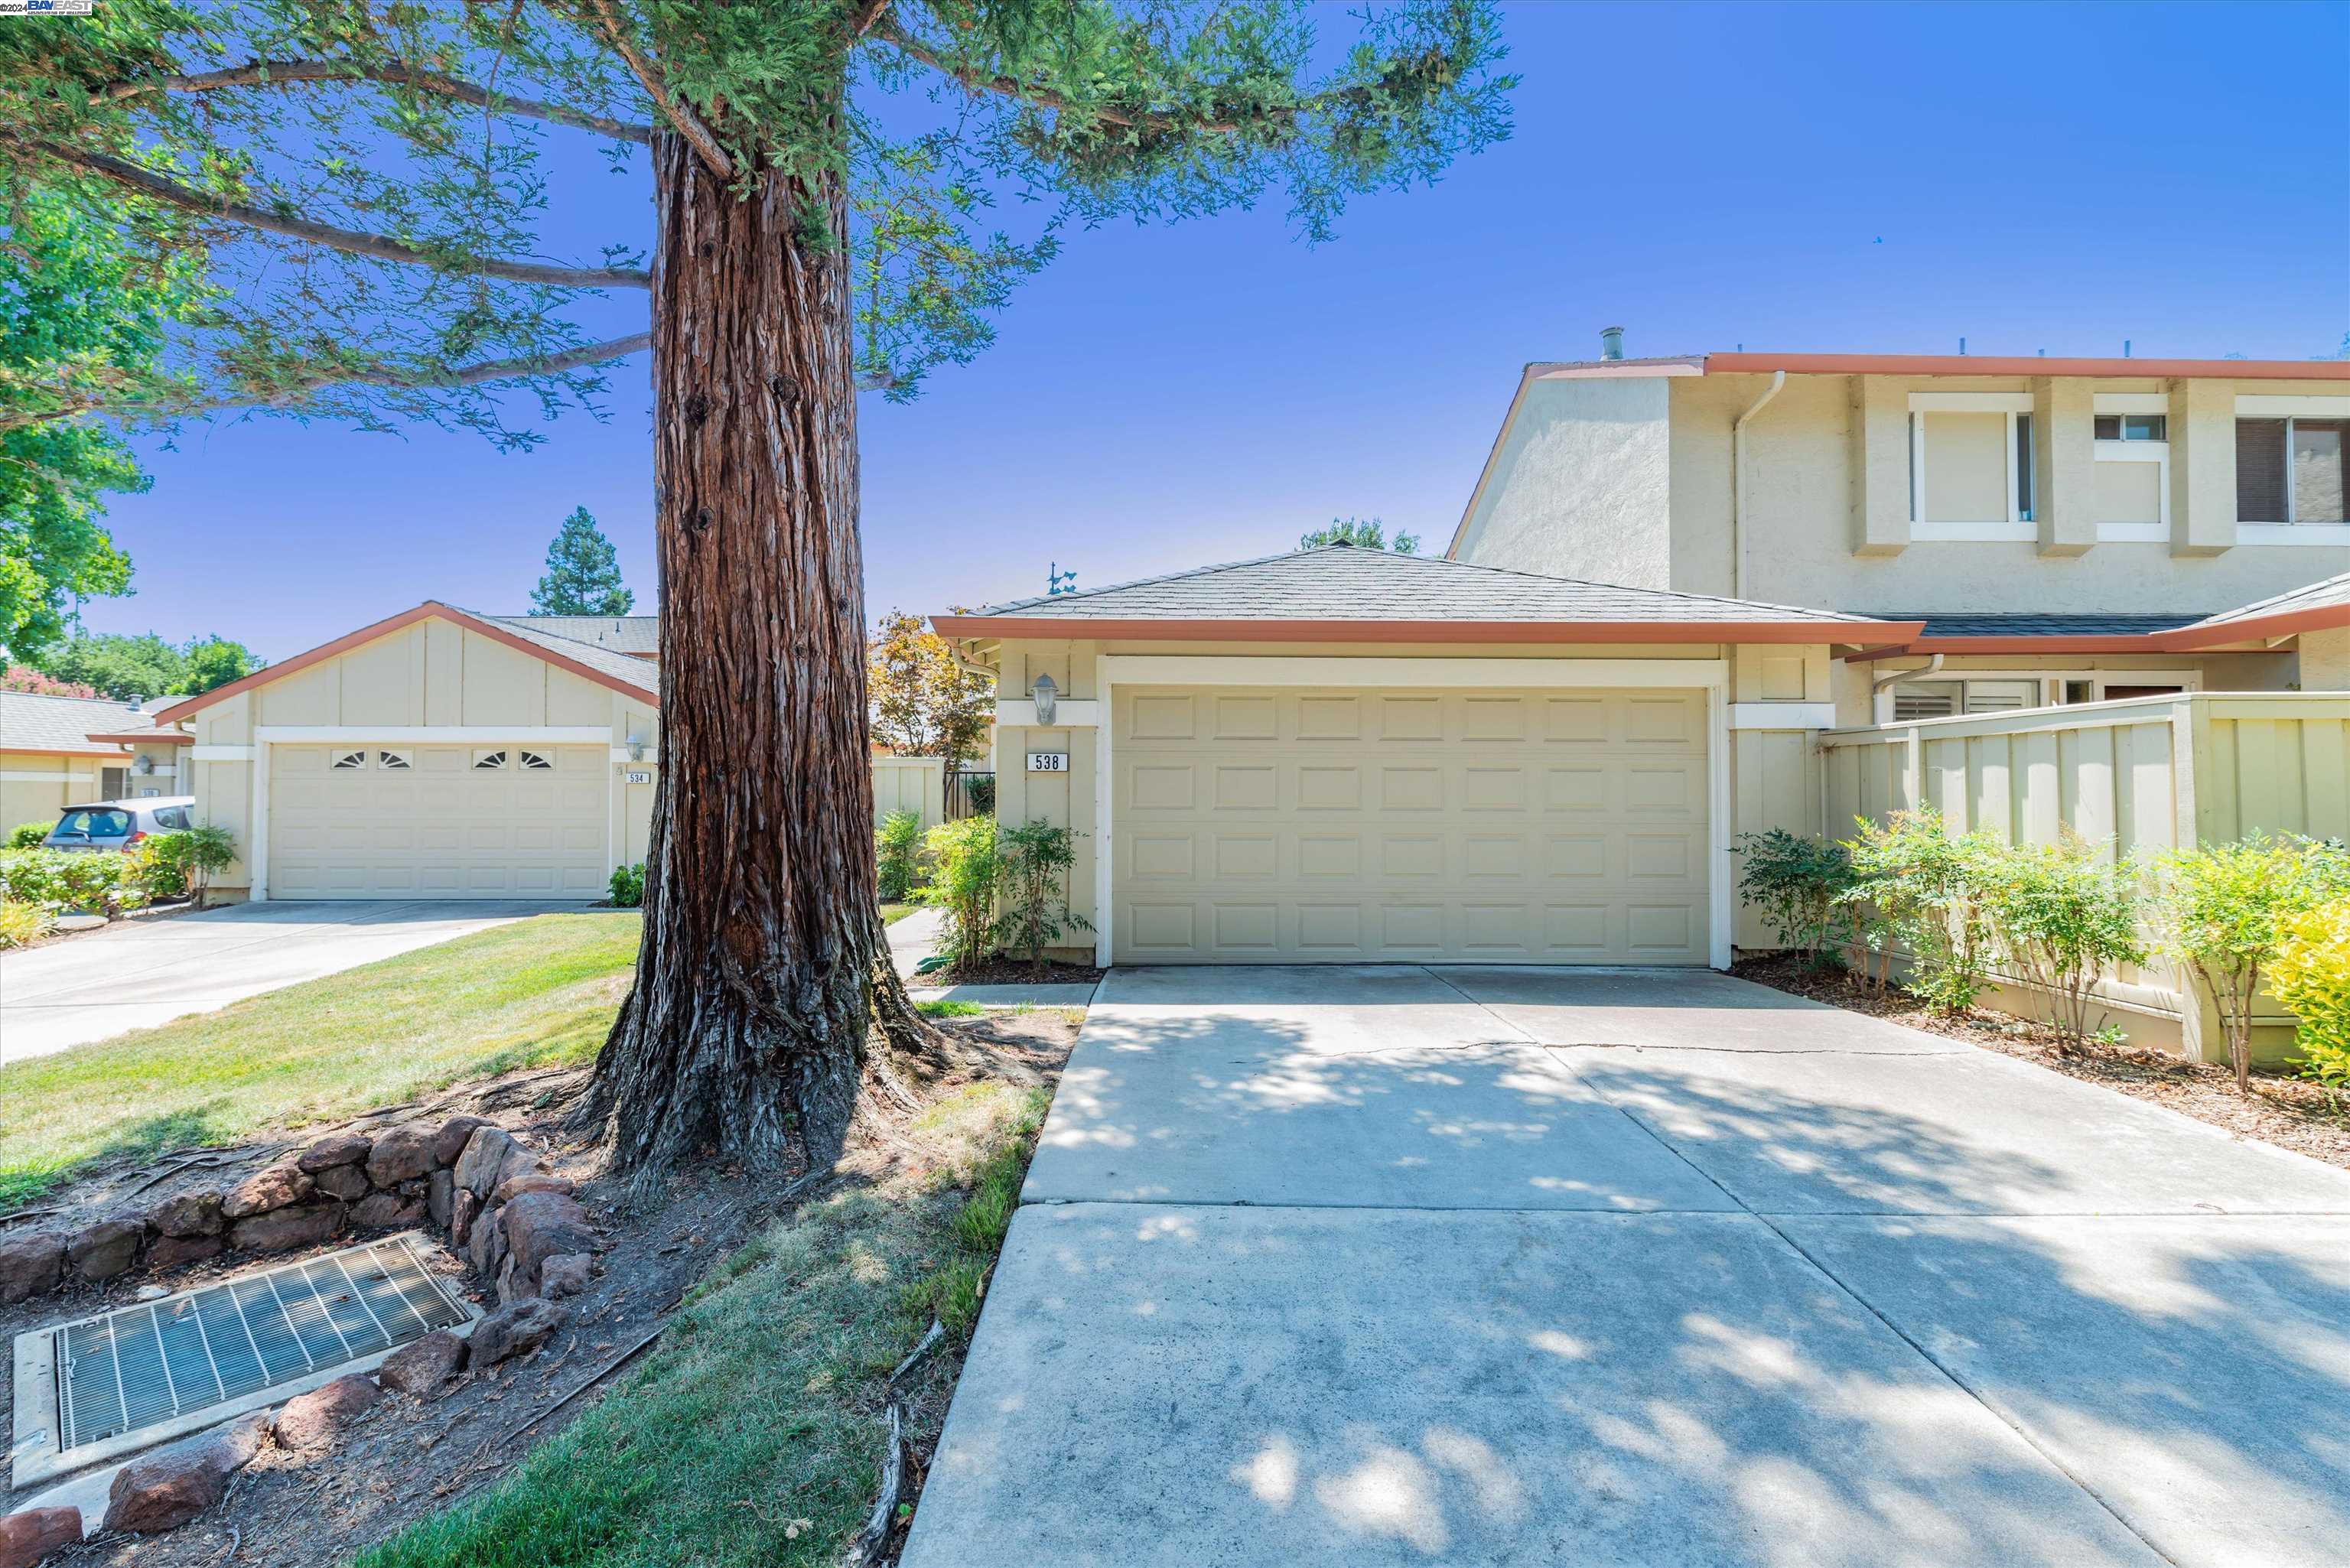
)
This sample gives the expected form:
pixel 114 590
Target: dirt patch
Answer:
pixel 405 1459
pixel 159 911
pixel 1002 970
pixel 2289 1113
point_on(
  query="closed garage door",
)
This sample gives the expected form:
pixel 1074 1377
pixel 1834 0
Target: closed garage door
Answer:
pixel 388 821
pixel 1340 826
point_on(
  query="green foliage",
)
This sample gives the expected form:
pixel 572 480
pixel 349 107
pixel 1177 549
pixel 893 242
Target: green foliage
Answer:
pixel 28 835
pixel 982 795
pixel 2061 914
pixel 952 1293
pixel 85 881
pixel 2223 910
pixel 124 666
pixel 2310 975
pixel 898 843
pixel 22 924
pixel 1363 535
pixel 583 574
pixel 1036 858
pixel 923 703
pixel 1800 885
pixel 628 885
pixel 1922 888
pixel 182 863
pixel 967 873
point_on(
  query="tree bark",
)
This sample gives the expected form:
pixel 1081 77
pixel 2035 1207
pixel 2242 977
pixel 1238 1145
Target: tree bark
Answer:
pixel 763 962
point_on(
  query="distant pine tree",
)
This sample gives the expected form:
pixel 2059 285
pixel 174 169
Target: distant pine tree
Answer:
pixel 1362 534
pixel 583 575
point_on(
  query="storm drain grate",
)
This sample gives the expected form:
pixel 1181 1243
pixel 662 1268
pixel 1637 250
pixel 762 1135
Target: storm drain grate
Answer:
pixel 154 1363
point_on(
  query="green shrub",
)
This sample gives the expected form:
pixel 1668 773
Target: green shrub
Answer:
pixel 966 873
pixel 21 925
pixel 2061 914
pixel 2224 910
pixel 628 885
pixel 96 882
pixel 1922 889
pixel 1799 884
pixel 28 834
pixel 174 865
pixel 898 845
pixel 2310 975
pixel 982 795
pixel 1037 858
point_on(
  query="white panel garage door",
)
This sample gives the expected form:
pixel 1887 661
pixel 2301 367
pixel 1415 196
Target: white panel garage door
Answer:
pixel 381 820
pixel 1346 825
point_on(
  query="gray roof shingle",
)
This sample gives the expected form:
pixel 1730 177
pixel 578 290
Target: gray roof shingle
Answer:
pixel 640 673
pixel 33 723
pixel 2322 595
pixel 636 635
pixel 1338 582
pixel 1969 623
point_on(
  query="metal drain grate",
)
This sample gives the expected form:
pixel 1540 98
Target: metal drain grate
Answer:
pixel 152 1364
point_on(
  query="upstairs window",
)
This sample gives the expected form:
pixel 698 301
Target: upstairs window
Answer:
pixel 2289 471
pixel 1971 467
pixel 2132 485
pixel 2133 427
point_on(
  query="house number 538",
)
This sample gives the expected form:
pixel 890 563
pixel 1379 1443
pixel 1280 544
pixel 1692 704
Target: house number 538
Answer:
pixel 1048 761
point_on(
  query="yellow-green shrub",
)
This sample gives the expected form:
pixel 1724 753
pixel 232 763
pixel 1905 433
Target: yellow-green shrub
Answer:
pixel 2310 975
pixel 21 925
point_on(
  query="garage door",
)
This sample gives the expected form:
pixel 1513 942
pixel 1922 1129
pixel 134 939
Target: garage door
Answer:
pixel 1309 825
pixel 389 821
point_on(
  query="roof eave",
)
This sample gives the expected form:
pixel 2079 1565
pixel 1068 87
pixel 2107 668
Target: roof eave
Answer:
pixel 1099 629
pixel 2023 365
pixel 147 738
pixel 2287 623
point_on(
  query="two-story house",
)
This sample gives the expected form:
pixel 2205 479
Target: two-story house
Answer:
pixel 2057 524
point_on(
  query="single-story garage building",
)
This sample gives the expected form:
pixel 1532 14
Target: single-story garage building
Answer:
pixel 52 756
pixel 441 753
pixel 1345 755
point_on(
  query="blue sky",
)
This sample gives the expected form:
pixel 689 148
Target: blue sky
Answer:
pixel 1849 177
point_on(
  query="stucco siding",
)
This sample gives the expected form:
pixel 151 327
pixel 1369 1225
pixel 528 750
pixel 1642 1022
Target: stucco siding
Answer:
pixel 2325 660
pixel 35 786
pixel 1580 485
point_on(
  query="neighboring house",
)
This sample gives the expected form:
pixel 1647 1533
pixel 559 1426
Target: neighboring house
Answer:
pixel 2054 521
pixel 439 754
pixel 50 760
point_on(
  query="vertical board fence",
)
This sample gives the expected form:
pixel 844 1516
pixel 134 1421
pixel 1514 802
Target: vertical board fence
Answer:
pixel 909 784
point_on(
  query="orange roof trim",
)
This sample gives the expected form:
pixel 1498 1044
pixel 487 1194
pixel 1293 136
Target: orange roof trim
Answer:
pixel 1063 629
pixel 148 738
pixel 2021 365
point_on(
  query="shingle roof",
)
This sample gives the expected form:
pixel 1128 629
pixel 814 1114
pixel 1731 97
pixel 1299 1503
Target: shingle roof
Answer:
pixel 636 635
pixel 2323 595
pixel 33 723
pixel 1341 583
pixel 1970 623
pixel 640 673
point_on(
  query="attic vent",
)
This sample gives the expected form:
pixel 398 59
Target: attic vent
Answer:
pixel 133 1377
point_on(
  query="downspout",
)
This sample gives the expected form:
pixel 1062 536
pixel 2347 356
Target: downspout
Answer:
pixel 1738 484
pixel 1932 665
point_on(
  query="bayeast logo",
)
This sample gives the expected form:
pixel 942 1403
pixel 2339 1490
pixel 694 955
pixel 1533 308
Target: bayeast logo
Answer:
pixel 45 7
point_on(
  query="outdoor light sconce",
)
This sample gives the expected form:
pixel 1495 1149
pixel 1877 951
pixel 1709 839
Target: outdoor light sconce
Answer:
pixel 635 745
pixel 144 766
pixel 1045 692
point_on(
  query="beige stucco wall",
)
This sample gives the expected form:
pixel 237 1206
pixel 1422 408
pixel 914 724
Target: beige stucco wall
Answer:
pixel 2325 660
pixel 1576 489
pixel 432 673
pixel 35 786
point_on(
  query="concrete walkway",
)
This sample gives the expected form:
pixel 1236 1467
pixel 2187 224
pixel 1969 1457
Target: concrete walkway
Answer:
pixel 136 974
pixel 1398 1265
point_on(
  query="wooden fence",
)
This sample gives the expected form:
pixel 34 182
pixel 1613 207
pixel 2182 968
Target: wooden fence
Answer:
pixel 911 783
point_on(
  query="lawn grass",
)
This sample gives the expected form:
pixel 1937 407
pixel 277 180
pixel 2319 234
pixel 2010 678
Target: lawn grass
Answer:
pixel 539 992
pixel 753 1433
pixel 949 1009
pixel 893 913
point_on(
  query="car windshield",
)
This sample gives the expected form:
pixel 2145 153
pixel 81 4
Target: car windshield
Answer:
pixel 98 822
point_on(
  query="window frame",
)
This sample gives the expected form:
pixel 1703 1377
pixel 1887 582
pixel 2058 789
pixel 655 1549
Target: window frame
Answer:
pixel 2288 530
pixel 2050 680
pixel 2124 406
pixel 2020 525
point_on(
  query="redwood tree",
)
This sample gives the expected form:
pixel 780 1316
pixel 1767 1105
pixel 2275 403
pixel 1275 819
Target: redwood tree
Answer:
pixel 366 179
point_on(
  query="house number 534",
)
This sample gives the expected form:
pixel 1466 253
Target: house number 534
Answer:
pixel 1048 761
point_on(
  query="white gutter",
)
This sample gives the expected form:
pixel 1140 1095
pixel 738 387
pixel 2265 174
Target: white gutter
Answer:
pixel 1877 686
pixel 1738 484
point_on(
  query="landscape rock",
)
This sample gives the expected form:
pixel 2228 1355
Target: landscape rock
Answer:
pixel 485 1151
pixel 334 1149
pixel 31 1261
pixel 542 1225
pixel 164 1490
pixel 486 1250
pixel 26 1538
pixel 309 1421
pixel 425 1367
pixel 450 1140
pixel 386 1211
pixel 521 1160
pixel 189 1214
pixel 178 1252
pixel 440 1197
pixel 107 1249
pixel 400 1154
pixel 565 1274
pixel 348 1182
pixel 516 1330
pixel 514 1186
pixel 463 1206
pixel 265 1190
pixel 282 1230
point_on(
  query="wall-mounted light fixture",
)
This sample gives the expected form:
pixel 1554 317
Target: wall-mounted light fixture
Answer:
pixel 1045 692
pixel 635 745
pixel 143 765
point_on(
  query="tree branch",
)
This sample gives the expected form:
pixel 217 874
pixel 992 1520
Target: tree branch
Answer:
pixel 356 242
pixel 274 73
pixel 888 30
pixel 294 391
pixel 674 108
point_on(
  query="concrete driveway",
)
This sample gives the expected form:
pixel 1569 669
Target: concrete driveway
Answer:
pixel 140 973
pixel 1398 1265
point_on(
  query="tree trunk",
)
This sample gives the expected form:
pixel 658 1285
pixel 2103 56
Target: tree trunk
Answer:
pixel 764 960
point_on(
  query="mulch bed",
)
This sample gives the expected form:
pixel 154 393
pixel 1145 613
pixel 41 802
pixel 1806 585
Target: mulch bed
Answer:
pixel 1002 970
pixel 2289 1113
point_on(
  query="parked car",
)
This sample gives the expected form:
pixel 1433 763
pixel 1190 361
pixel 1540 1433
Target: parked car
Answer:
pixel 119 823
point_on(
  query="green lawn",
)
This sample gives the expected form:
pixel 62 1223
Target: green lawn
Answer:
pixel 893 913
pixel 752 1434
pixel 539 992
